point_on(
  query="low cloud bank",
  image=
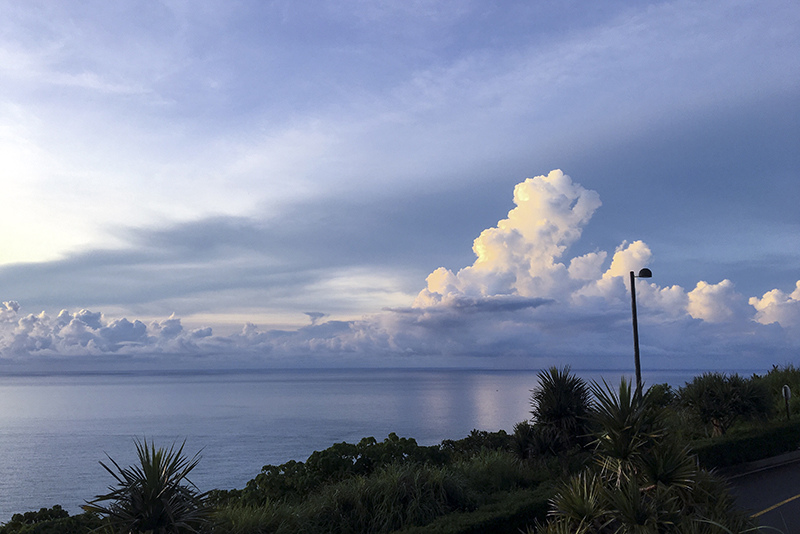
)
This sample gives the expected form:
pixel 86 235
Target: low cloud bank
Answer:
pixel 524 301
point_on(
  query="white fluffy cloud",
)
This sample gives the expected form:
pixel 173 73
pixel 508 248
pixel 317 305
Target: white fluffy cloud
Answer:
pixel 716 303
pixel 523 299
pixel 778 307
pixel 89 333
pixel 520 255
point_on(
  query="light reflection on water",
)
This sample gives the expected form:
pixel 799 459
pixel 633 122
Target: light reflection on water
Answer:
pixel 55 429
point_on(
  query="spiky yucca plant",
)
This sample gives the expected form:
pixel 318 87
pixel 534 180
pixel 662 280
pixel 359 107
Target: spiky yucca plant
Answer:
pixel 560 406
pixel 641 481
pixel 155 496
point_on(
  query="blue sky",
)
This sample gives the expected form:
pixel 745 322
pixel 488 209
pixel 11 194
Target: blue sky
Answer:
pixel 273 182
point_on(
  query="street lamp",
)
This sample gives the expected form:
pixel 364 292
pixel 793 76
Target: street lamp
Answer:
pixel 644 273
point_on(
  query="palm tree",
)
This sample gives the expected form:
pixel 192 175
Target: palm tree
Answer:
pixel 155 496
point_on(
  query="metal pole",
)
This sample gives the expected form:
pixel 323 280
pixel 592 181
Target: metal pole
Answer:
pixel 635 336
pixel 787 394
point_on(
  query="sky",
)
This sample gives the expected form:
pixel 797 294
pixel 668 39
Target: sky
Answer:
pixel 386 183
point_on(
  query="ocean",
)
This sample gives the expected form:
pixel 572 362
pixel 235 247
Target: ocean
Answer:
pixel 55 429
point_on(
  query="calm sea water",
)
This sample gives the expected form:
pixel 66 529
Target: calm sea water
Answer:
pixel 55 429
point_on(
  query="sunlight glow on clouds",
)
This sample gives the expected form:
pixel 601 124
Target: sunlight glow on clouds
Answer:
pixel 523 299
pixel 519 255
pixel 778 307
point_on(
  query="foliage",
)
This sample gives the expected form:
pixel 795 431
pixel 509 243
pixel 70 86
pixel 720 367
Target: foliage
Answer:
pixel 774 381
pixel 53 520
pixel 155 496
pixel 762 442
pixel 392 497
pixel 560 406
pixel 641 480
pixel 662 395
pixel 495 471
pixel 720 400
pixel 294 480
pixel 395 496
pixel 628 425
pixel 510 512
pixel 477 441
pixel 525 440
pixel 238 519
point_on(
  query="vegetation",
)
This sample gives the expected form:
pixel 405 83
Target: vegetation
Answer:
pixel 640 479
pixel 592 458
pixel 561 405
pixel 155 496
pixel 53 520
pixel 720 400
pixel 774 381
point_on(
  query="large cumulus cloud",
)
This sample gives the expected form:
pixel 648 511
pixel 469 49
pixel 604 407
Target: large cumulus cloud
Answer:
pixel 524 301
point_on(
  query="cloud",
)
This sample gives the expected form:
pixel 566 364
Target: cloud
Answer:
pixel 716 303
pixel 778 307
pixel 315 316
pixel 86 333
pixel 519 256
pixel 525 300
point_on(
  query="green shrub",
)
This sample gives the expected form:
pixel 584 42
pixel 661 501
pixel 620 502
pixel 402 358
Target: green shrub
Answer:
pixel 477 441
pixel 397 496
pixel 268 518
pixel 493 471
pixel 294 480
pixel 510 512
pixel 763 442
pixel 719 400
pixel 53 520
pixel 775 379
pixel 662 395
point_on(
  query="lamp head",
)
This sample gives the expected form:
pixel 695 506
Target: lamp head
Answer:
pixel 645 273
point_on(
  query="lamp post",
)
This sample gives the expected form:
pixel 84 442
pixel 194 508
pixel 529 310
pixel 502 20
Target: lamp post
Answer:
pixel 644 273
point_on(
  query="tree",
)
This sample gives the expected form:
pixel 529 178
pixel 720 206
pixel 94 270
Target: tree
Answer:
pixel 560 406
pixel 155 496
pixel 720 400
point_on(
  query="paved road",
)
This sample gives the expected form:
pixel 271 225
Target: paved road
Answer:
pixel 770 493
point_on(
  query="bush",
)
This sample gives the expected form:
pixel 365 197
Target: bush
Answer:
pixel 53 520
pixel 511 512
pixel 294 480
pixel 271 517
pixel 719 400
pixel 662 395
pixel 764 442
pixel 397 496
pixel 477 441
pixel 495 471
pixel 774 381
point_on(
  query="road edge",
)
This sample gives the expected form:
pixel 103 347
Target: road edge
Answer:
pixel 748 468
